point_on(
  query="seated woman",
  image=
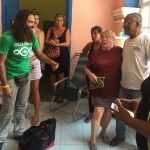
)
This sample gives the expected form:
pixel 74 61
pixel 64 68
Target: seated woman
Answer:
pixel 105 62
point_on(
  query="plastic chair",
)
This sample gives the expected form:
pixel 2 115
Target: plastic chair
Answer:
pixel 75 89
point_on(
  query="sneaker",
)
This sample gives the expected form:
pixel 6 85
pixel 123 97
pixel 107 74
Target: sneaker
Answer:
pixel 93 147
pixel 116 141
pixel 1 144
pixel 105 138
pixel 88 118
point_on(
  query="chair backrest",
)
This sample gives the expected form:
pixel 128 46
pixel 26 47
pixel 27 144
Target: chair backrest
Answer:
pixel 79 76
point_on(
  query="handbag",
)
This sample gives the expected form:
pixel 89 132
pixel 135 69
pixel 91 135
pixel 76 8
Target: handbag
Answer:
pixel 22 79
pixel 39 137
pixel 52 51
pixel 99 84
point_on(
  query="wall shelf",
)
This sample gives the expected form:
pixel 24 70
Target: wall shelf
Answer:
pixel 119 41
pixel 121 12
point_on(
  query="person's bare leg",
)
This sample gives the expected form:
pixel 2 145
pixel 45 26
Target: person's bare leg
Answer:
pixel 36 100
pixel 106 119
pixel 52 80
pixel 98 113
pixel 59 77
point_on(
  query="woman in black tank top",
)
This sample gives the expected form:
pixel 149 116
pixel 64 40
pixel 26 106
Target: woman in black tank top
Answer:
pixel 62 34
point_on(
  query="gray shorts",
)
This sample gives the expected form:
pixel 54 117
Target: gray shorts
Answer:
pixel 102 102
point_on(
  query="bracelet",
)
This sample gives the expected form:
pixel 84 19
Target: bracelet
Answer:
pixel 5 86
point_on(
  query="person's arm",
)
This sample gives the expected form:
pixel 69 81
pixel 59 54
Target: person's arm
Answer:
pixel 91 75
pixel 7 91
pixel 41 56
pixel 139 125
pixel 130 104
pixel 86 49
pixel 67 41
pixel 40 36
pixel 47 40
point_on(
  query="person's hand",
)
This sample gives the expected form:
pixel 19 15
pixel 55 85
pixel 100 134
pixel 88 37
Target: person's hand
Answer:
pixel 52 42
pixel 56 41
pixel 122 113
pixel 93 77
pixel 7 92
pixel 131 104
pixel 31 66
pixel 55 66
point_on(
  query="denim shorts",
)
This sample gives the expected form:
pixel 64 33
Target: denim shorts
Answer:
pixel 102 102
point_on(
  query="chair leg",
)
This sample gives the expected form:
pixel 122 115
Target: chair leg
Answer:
pixel 75 110
pixel 74 113
pixel 51 103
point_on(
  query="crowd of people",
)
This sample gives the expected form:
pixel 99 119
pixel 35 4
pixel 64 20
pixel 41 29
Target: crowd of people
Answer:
pixel 125 72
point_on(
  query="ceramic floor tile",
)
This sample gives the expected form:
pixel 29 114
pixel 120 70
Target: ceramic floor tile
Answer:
pixel 12 146
pixel 101 147
pixel 51 114
pixel 47 104
pixel 10 139
pixel 57 137
pixel 71 137
pixel 131 133
pixel 55 147
pixel 74 126
pixel 72 147
pixel 123 147
pixel 86 126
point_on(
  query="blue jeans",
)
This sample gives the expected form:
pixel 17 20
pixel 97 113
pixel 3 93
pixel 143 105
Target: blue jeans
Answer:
pixel 14 107
pixel 128 94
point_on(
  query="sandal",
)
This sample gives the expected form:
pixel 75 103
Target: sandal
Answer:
pixel 88 118
pixel 93 147
pixel 105 138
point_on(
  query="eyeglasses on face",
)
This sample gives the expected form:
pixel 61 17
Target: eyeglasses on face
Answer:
pixel 127 22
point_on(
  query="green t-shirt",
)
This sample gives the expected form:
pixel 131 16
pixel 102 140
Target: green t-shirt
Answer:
pixel 17 61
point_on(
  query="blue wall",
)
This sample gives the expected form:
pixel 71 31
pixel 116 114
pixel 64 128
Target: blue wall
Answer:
pixel 9 11
pixel 69 13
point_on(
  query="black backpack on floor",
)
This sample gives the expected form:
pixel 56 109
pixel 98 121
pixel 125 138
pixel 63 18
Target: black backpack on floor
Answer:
pixel 39 137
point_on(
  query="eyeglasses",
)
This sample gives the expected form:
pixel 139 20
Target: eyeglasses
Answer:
pixel 127 22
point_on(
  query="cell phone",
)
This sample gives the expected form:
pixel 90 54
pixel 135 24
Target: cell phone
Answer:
pixel 114 107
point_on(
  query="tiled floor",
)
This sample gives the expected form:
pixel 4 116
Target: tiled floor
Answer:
pixel 72 135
